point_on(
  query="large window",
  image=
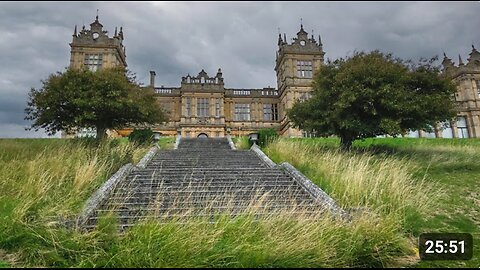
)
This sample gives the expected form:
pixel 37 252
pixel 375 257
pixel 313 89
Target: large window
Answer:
pixel 217 107
pixel 462 127
pixel 188 108
pixel 202 107
pixel 93 61
pixel 242 112
pixel 304 69
pixel 270 112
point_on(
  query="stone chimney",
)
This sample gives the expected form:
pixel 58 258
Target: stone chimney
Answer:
pixel 152 78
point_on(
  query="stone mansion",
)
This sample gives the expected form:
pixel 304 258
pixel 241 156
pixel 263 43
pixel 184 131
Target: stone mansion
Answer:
pixel 203 106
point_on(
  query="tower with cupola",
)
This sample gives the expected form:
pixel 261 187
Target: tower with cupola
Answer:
pixel 94 49
pixel 296 64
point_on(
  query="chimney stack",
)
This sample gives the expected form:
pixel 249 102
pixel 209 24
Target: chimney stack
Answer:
pixel 152 78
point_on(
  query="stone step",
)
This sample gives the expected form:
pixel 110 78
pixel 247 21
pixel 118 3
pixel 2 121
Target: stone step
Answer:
pixel 194 188
pixel 183 173
pixel 208 178
pixel 225 169
pixel 145 196
pixel 227 209
pixel 205 178
pixel 271 200
pixel 201 184
pixel 205 174
pixel 126 213
pixel 140 198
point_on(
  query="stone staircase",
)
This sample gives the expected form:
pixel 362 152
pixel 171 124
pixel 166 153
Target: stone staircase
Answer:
pixel 204 177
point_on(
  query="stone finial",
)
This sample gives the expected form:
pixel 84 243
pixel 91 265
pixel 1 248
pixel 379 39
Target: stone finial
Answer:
pixel 302 32
pixel 447 62
pixel 460 62
pixel 285 37
pixel 75 31
pixel 120 34
pixel 320 41
pixel 474 57
pixel 202 73
pixel 280 41
pixel 115 32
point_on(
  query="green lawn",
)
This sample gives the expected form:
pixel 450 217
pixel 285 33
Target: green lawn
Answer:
pixel 452 165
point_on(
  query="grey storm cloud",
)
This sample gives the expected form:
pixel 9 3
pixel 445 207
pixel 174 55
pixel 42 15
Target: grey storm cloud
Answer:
pixel 176 38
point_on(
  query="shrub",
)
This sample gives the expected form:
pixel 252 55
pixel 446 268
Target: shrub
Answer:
pixel 141 136
pixel 266 135
pixel 243 142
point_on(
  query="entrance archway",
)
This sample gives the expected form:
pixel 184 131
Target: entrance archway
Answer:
pixel 202 135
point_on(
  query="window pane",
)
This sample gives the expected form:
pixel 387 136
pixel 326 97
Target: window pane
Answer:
pixel 217 107
pixel 202 107
pixel 93 61
pixel 187 107
pixel 242 112
pixel 304 69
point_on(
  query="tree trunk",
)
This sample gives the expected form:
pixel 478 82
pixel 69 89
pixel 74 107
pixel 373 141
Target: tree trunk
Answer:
pixel 101 133
pixel 346 142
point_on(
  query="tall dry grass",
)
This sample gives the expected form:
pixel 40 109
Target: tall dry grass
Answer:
pixel 382 185
pixel 249 234
pixel 44 184
pixel 56 182
pixel 37 191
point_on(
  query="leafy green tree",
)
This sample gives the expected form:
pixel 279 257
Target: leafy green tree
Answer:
pixel 105 99
pixel 372 94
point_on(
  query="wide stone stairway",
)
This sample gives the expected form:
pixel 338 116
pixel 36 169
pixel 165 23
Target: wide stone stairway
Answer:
pixel 204 177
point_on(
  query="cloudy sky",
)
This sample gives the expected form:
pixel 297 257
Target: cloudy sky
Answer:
pixel 176 38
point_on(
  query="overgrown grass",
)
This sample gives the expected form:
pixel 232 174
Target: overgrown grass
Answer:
pixel 166 142
pixel 424 185
pixel 275 241
pixel 44 183
pixel 242 143
pixel 42 188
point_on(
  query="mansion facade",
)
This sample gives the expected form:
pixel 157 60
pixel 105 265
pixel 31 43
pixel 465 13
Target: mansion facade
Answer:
pixel 203 106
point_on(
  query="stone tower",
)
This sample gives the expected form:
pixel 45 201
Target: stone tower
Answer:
pixel 296 63
pixel 94 49
pixel 467 78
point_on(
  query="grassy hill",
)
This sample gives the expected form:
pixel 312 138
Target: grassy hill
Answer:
pixel 435 181
pixel 396 188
